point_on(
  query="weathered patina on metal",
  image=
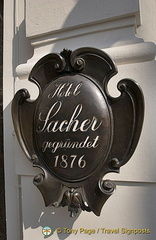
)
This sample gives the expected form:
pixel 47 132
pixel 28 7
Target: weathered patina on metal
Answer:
pixel 75 131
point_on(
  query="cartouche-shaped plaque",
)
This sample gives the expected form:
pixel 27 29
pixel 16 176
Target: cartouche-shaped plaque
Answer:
pixel 75 131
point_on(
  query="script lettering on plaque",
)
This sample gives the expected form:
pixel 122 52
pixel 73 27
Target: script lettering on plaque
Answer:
pixel 72 131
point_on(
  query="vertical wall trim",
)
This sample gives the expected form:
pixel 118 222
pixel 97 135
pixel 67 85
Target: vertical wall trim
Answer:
pixel 12 196
pixel 2 188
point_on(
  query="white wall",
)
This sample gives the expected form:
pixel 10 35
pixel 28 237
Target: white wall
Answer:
pixel 124 29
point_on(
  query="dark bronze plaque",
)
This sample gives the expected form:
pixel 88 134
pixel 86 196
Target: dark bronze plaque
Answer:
pixel 72 127
pixel 75 132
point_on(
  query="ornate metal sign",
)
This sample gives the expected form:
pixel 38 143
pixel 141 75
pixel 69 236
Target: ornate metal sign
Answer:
pixel 75 132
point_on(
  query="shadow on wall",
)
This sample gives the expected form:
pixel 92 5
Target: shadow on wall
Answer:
pixel 55 218
pixel 22 50
pixel 90 13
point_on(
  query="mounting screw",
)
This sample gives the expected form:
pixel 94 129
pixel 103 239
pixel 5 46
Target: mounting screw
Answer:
pixel 34 159
pixel 122 87
pixel 57 66
pixel 38 179
pixel 115 162
pixel 108 185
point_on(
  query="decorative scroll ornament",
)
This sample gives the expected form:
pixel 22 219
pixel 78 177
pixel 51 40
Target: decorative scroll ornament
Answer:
pixel 75 132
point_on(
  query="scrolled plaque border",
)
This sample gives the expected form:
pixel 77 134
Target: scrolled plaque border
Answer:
pixel 91 193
